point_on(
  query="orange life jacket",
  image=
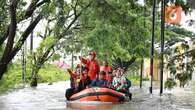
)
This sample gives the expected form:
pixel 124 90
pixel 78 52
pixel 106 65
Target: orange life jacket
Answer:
pixel 94 67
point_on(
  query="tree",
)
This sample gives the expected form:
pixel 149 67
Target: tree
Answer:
pixel 116 29
pixel 66 21
pixel 179 70
pixel 9 31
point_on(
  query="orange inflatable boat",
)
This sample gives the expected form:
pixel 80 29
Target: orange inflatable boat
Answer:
pixel 99 94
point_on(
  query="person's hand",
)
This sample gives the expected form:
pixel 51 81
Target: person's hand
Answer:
pixel 69 70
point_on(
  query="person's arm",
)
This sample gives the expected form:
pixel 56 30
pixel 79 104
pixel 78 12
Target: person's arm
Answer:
pixel 110 69
pixel 71 73
pixel 83 60
pixel 97 69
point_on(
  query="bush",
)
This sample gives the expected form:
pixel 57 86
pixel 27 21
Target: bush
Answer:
pixel 136 79
pixel 13 77
pixel 170 83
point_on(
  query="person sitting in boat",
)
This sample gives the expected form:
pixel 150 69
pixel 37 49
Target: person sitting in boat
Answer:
pixel 85 80
pixel 74 75
pixel 108 70
pixel 119 81
pixel 128 81
pixel 99 82
pixel 92 64
pixel 74 81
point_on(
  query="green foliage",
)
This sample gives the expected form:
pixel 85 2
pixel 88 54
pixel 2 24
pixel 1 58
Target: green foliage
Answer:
pixel 13 77
pixel 116 28
pixel 170 83
pixel 4 17
pixel 180 70
pixel 183 78
pixel 46 43
pixel 51 73
pixel 135 80
pixel 55 57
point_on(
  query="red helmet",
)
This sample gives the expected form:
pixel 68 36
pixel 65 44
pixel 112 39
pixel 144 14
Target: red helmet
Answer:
pixel 93 53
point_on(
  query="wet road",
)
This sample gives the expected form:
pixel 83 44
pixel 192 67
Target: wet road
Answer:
pixel 51 97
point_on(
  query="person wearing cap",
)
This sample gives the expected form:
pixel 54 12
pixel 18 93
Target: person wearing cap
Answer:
pixel 100 82
pixel 108 70
pixel 92 64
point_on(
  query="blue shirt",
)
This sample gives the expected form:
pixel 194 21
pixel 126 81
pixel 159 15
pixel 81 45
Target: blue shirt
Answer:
pixel 98 83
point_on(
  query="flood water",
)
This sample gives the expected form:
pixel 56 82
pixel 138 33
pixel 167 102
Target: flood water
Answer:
pixel 51 97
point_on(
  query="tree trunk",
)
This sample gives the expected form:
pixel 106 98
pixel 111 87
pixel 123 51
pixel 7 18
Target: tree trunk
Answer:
pixel 34 76
pixel 3 68
pixel 9 54
pixel 36 67
pixel 33 82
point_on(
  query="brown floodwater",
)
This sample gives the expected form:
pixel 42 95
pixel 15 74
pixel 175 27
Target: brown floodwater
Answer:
pixel 51 97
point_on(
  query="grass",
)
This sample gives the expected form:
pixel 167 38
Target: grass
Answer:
pixel 50 73
pixel 13 77
pixel 136 79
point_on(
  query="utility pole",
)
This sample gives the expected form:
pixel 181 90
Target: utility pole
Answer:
pixel 142 60
pixel 141 72
pixel 24 62
pixel 152 46
pixel 72 51
pixel 162 44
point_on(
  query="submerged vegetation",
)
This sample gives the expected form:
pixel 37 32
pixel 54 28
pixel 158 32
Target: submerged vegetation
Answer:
pixel 48 73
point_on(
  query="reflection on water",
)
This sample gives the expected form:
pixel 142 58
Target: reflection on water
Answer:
pixel 51 97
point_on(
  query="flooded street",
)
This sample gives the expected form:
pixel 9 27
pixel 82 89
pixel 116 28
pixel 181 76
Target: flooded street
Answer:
pixel 51 97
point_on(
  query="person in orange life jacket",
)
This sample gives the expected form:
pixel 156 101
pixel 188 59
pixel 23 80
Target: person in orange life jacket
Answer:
pixel 108 70
pixel 92 64
pixel 85 80
pixel 80 82
pixel 99 82
pixel 74 76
